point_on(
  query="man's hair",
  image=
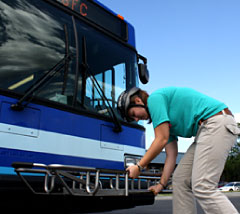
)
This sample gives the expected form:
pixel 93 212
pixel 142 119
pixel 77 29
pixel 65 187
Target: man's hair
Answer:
pixel 143 95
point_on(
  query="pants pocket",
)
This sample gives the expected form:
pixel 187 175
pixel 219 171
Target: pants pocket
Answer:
pixel 232 128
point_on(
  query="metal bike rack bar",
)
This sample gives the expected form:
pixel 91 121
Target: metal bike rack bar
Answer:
pixel 81 181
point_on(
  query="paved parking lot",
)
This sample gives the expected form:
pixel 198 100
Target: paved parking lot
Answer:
pixel 163 205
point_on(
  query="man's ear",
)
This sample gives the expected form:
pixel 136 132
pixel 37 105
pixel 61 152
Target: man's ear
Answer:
pixel 138 100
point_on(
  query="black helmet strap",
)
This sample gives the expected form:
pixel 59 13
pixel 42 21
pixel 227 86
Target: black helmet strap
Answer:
pixel 135 105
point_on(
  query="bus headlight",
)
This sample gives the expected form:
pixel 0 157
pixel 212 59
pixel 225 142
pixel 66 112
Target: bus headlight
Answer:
pixel 130 160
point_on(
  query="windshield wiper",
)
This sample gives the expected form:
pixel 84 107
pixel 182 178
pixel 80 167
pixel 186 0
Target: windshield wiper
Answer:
pixel 77 63
pixel 43 80
pixel 86 69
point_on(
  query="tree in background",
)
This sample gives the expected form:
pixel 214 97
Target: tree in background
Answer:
pixel 232 168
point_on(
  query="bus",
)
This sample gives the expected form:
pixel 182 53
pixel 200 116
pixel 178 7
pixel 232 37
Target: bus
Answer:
pixel 63 64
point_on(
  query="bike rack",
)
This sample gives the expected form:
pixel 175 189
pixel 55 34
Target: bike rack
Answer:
pixel 80 181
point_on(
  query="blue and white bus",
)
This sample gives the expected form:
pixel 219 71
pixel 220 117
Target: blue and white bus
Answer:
pixel 63 64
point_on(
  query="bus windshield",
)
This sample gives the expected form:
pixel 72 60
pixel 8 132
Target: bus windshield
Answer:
pixel 35 36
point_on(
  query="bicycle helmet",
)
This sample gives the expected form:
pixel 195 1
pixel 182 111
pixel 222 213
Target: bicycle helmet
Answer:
pixel 124 102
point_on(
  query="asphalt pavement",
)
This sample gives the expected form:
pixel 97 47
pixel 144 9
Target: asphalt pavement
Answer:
pixel 163 205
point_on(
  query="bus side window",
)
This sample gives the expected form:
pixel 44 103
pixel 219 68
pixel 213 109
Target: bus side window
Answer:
pixel 112 83
pixel 120 79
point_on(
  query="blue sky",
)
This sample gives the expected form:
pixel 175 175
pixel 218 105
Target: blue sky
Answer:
pixel 188 43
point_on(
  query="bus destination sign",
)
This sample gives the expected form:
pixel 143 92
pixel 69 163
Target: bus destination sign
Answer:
pixel 98 15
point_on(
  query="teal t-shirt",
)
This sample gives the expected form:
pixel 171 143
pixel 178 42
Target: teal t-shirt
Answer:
pixel 183 108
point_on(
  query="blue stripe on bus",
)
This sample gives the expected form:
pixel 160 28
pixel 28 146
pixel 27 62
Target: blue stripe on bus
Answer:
pixel 7 171
pixel 8 156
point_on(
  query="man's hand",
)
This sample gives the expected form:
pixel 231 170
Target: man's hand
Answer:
pixel 156 188
pixel 134 171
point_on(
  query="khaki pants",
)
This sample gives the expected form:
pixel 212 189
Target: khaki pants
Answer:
pixel 199 171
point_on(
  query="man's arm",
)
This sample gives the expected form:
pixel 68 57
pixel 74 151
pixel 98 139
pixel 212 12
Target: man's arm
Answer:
pixel 170 162
pixel 169 166
pixel 160 141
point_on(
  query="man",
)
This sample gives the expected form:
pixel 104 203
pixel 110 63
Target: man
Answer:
pixel 185 112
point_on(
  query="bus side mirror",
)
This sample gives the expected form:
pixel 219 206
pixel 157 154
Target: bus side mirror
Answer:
pixel 143 73
pixel 142 70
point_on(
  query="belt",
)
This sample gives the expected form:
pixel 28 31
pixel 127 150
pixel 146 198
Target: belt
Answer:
pixel 223 112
